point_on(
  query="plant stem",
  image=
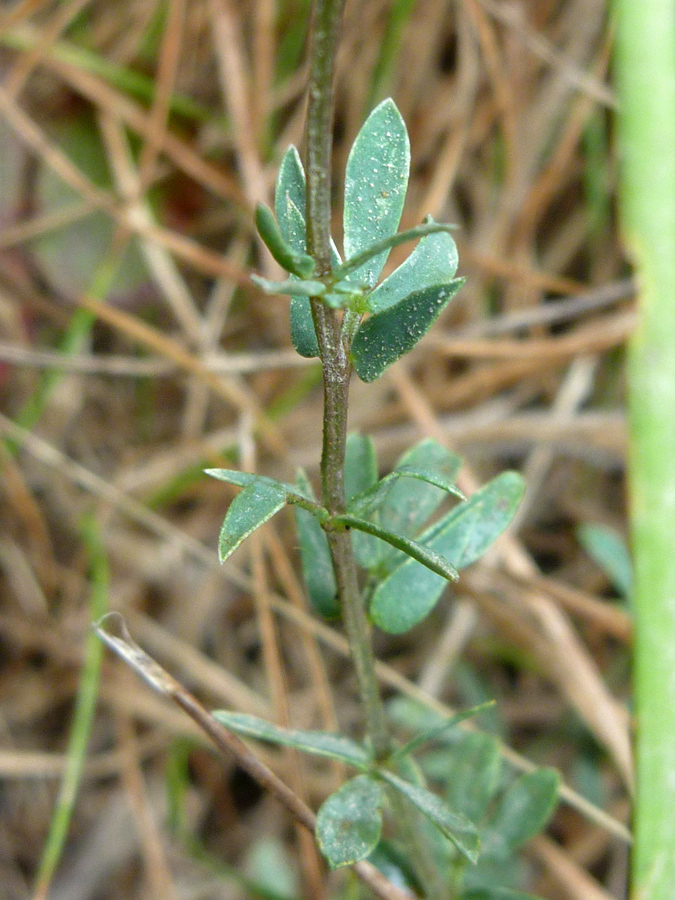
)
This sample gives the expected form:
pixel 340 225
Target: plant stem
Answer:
pixel 335 363
pixel 645 66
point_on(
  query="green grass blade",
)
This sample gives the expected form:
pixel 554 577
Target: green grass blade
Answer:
pixel 85 707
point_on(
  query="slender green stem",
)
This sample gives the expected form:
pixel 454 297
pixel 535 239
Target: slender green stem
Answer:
pixel 335 362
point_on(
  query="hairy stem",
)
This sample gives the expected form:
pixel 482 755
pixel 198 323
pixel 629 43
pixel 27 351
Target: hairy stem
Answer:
pixel 335 362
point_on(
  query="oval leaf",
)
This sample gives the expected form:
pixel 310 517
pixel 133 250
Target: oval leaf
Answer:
pixel 290 186
pixel 387 336
pixel 523 811
pixel 317 565
pixel 376 180
pixel 410 592
pixel 454 826
pixel 360 464
pixel 349 824
pixel 249 510
pixel 318 743
pixel 432 262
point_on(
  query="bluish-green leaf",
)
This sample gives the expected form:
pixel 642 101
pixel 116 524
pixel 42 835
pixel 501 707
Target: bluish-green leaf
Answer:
pixel 360 464
pixel 608 549
pixel 290 186
pixel 456 827
pixel 432 262
pixel 372 499
pixel 387 336
pixel 297 263
pixel 376 180
pixel 470 767
pixel 349 823
pixel 318 743
pixel 291 287
pixel 317 566
pixel 523 811
pixel 496 893
pixel 423 555
pixel 434 733
pixel 361 474
pixel 355 263
pixel 249 510
pixel 410 592
pixel 293 494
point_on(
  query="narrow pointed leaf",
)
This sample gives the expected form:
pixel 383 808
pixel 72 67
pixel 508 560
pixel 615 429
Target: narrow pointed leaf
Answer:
pixel 608 549
pixel 297 263
pixel 523 811
pixel 349 823
pixel 293 288
pixel 387 336
pixel 410 592
pixel 454 826
pixel 317 565
pixel 432 262
pixel 294 495
pixel 418 552
pixel 248 511
pixel 376 180
pixel 290 186
pixel 318 743
pixel 434 733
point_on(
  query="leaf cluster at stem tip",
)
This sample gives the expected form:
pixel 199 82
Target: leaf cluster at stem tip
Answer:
pixel 400 309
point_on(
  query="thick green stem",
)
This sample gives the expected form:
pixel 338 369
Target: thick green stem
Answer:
pixel 335 362
pixel 645 66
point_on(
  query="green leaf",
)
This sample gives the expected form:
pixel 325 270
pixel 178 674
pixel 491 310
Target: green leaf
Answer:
pixel 294 494
pixel 434 733
pixel 423 555
pixel 349 823
pixel 290 186
pixel 318 743
pixel 361 474
pixel 296 263
pixel 376 180
pixel 292 287
pixel 523 811
pixel 317 565
pixel 360 464
pixel 457 828
pixel 387 336
pixel 410 592
pixel 495 893
pixel 375 496
pixel 249 510
pixel 474 769
pixel 384 245
pixel 432 262
pixel 608 549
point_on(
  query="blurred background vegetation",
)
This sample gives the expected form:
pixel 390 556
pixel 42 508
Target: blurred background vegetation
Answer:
pixel 135 139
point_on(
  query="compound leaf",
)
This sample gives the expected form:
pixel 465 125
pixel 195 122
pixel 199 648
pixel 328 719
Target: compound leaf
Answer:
pixel 376 180
pixel 349 823
pixel 410 591
pixel 318 743
pixel 387 336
